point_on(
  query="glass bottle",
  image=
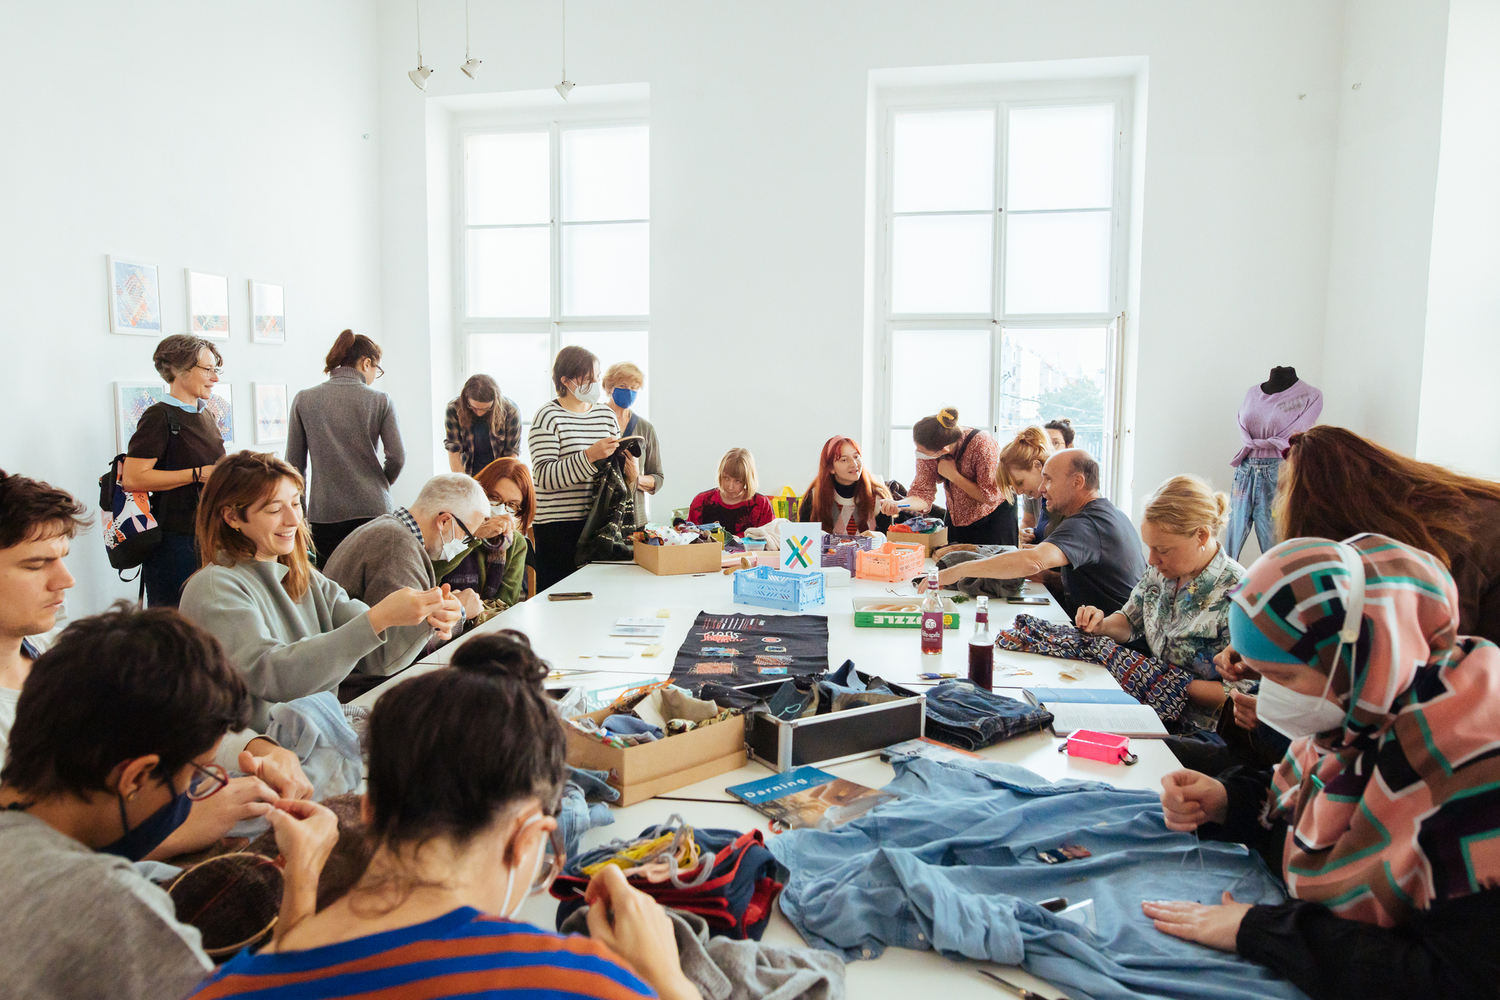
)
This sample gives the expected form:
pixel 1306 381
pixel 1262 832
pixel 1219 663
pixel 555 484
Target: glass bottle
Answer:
pixel 932 618
pixel 982 648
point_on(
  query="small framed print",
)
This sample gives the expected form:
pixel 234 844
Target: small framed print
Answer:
pixel 270 412
pixel 267 313
pixel 131 400
pixel 208 305
pixel 134 297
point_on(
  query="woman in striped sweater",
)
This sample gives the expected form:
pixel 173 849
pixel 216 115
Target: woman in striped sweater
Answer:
pixel 570 438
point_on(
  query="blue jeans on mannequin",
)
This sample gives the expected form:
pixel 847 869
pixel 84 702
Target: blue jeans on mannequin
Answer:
pixel 167 569
pixel 1254 490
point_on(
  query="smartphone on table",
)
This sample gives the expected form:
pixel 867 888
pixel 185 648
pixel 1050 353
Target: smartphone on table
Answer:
pixel 580 595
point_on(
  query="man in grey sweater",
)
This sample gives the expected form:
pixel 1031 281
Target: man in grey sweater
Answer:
pixel 397 550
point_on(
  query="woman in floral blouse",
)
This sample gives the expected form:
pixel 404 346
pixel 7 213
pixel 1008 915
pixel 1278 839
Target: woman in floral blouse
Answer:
pixel 1181 605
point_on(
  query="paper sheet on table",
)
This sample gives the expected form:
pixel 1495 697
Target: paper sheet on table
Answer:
pixel 1122 720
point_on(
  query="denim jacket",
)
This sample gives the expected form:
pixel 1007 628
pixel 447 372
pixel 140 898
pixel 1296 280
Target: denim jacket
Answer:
pixel 953 865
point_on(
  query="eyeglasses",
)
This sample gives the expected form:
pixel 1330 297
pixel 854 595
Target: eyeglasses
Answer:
pixel 210 368
pixel 468 535
pixel 554 854
pixel 379 371
pixel 207 779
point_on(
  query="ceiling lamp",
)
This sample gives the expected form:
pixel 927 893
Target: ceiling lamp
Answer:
pixel 566 85
pixel 471 65
pixel 422 72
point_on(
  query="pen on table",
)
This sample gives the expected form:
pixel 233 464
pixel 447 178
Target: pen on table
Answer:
pixel 1019 991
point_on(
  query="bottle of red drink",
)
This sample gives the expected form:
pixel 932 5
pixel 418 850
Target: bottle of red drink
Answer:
pixel 932 618
pixel 982 648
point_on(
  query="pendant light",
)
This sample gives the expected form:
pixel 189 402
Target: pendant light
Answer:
pixel 566 85
pixel 422 72
pixel 471 65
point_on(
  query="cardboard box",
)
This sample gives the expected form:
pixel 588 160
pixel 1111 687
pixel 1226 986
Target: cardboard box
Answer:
pixel 640 772
pixel 933 539
pixel 674 560
pixel 837 736
pixel 866 617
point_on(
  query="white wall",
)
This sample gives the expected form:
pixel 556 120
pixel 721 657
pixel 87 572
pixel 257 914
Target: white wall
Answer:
pixel 759 115
pixel 225 137
pixel 1460 409
pixel 1382 216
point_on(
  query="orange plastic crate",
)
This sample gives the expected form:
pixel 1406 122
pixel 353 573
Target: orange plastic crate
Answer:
pixel 891 562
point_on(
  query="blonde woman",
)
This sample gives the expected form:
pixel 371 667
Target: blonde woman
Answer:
pixel 1021 464
pixel 737 503
pixel 622 386
pixel 1181 604
pixel 480 426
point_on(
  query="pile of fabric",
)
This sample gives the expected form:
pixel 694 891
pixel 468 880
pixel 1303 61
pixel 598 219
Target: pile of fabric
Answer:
pixel 664 711
pixel 1148 680
pixel 956 555
pixel 726 877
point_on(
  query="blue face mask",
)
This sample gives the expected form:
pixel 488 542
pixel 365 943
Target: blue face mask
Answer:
pixel 154 829
pixel 624 397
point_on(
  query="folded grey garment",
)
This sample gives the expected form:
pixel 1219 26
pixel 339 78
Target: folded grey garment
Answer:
pixel 724 968
pixel 859 699
pixel 977 586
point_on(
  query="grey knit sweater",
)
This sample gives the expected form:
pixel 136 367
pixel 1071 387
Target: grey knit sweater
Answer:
pixel 285 650
pixel 375 561
pixel 338 424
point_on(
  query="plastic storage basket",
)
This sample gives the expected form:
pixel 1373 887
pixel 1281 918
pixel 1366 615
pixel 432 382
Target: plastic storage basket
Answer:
pixel 840 550
pixel 891 562
pixel 774 588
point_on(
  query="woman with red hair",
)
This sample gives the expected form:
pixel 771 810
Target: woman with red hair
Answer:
pixel 494 566
pixel 843 496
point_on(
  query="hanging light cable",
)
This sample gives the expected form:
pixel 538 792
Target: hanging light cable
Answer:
pixel 471 65
pixel 565 86
pixel 422 72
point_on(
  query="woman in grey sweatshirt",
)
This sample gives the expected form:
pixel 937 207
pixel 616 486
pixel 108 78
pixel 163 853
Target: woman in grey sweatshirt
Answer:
pixel 288 629
pixel 338 425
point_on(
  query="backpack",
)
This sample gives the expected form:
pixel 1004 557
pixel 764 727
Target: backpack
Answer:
pixel 131 534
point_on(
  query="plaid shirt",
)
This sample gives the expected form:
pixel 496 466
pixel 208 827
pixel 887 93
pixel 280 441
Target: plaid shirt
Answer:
pixel 460 439
pixel 404 516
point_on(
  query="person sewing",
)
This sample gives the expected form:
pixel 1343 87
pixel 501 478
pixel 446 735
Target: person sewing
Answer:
pixel 1381 814
pixel 967 459
pixel 494 567
pixel 843 496
pixel 737 504
pixel 1021 463
pixel 467 767
pixel 1096 547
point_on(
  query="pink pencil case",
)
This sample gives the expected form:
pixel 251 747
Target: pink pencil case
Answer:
pixel 1107 747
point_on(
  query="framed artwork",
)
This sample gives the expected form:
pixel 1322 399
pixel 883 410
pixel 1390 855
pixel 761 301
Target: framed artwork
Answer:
pixel 221 405
pixel 270 412
pixel 134 297
pixel 131 400
pixel 267 313
pixel 208 305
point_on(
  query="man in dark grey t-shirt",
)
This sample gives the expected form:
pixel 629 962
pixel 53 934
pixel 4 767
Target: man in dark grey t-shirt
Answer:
pixel 1096 547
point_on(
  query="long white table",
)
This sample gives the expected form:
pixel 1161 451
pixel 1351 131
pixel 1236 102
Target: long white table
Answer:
pixel 570 634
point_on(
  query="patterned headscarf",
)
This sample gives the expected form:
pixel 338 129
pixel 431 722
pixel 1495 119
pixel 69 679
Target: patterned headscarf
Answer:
pixel 1401 808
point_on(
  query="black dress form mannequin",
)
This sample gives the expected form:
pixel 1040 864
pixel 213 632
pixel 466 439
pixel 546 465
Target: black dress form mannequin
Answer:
pixel 1281 380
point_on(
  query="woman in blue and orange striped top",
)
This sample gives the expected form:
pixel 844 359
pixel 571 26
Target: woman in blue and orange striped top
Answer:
pixel 466 775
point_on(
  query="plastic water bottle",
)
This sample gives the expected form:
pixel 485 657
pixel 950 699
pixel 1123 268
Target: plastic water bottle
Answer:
pixel 932 618
pixel 982 648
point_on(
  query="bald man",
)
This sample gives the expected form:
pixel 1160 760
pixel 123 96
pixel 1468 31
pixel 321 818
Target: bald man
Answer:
pixel 1096 547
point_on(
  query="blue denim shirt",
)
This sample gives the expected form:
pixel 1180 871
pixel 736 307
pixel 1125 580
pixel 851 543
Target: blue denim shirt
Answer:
pixel 952 865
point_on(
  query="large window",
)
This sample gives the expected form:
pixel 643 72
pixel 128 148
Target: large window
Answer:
pixel 1002 249
pixel 556 251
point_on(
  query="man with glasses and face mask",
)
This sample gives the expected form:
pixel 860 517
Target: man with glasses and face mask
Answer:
pixel 399 550
pixel 113 743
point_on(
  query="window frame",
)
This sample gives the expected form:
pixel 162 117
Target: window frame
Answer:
pixel 1002 97
pixel 557 326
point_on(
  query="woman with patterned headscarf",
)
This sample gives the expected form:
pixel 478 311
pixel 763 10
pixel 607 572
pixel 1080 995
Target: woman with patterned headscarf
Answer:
pixel 1384 817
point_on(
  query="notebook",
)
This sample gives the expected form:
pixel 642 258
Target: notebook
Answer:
pixel 1104 710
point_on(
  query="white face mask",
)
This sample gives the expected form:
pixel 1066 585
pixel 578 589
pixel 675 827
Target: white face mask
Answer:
pixel 1294 714
pixel 590 394
pixel 506 910
pixel 453 548
pixel 502 508
pixel 922 455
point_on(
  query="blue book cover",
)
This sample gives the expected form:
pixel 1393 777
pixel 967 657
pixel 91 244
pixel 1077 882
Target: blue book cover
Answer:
pixel 1081 696
pixel 808 797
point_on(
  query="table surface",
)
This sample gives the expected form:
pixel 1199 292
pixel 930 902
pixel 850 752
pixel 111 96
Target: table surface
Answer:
pixel 571 634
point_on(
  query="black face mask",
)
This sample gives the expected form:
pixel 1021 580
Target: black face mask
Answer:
pixel 154 829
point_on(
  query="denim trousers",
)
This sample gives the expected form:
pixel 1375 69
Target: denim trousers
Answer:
pixel 970 717
pixel 1253 493
pixel 953 866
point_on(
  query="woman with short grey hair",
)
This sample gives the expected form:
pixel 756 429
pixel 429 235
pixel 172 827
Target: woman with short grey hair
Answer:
pixel 170 455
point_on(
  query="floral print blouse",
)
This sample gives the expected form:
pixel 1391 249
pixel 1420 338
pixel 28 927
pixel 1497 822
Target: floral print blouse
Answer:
pixel 1187 626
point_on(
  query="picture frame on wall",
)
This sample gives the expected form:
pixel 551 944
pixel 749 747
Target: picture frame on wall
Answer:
pixel 221 405
pixel 131 400
pixel 134 297
pixel 267 313
pixel 207 305
pixel 271 412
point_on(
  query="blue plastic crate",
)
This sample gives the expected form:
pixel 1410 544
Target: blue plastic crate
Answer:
pixel 841 550
pixel 774 588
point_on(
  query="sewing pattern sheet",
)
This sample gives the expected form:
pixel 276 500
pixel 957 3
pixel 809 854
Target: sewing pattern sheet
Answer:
pixel 743 649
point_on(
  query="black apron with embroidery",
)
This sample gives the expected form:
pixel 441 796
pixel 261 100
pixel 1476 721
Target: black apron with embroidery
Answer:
pixel 746 648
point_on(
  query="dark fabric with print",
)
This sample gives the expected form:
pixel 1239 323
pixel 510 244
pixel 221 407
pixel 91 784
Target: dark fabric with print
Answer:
pixel 739 649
